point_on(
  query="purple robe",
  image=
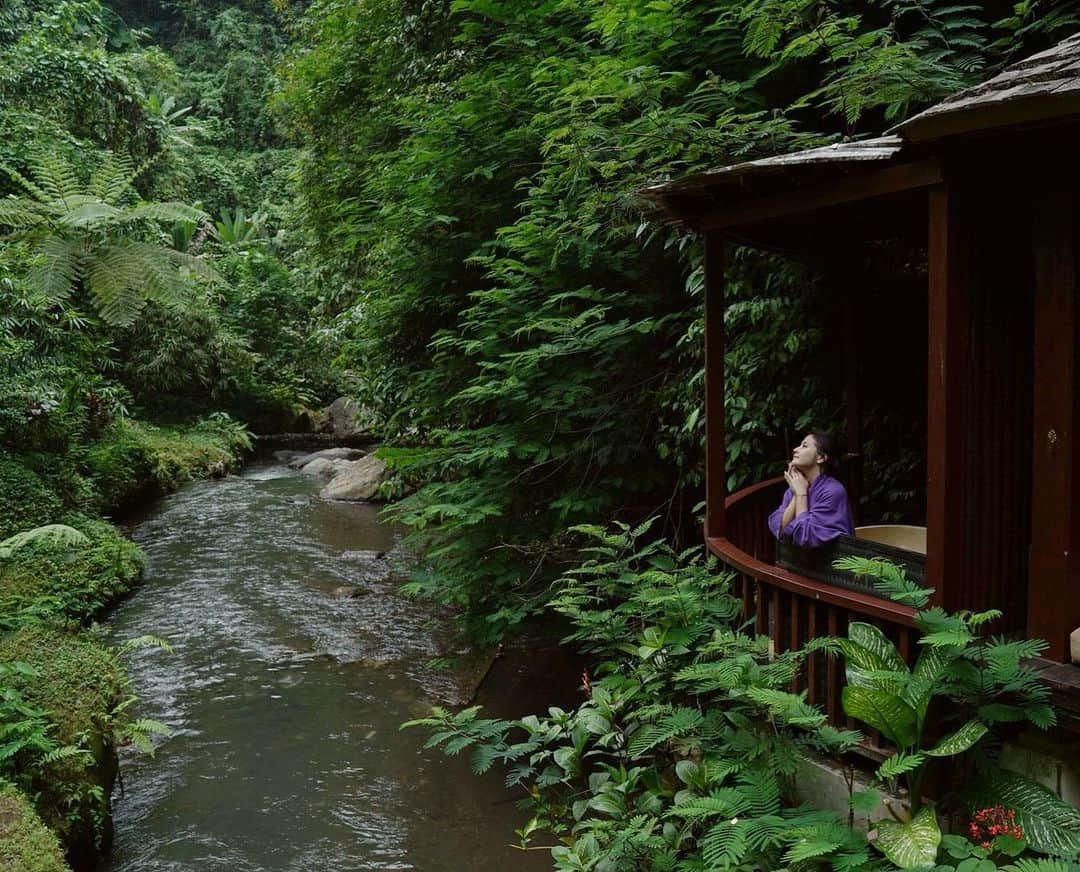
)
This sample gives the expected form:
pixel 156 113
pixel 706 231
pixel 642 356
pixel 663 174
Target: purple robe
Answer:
pixel 826 517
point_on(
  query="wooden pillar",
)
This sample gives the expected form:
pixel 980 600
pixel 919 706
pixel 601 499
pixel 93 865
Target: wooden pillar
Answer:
pixel 715 465
pixel 946 333
pixel 1054 567
pixel 853 457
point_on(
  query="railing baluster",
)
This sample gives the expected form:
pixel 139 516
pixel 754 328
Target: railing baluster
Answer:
pixel 793 610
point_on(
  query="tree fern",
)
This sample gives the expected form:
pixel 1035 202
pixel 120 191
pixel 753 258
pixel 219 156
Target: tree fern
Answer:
pixel 97 238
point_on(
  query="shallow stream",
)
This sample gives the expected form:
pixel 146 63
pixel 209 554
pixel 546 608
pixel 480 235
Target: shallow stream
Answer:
pixel 284 697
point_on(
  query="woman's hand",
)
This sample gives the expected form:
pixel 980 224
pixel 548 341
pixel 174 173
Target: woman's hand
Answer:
pixel 796 481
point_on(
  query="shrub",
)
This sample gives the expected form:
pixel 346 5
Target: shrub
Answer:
pixel 25 500
pixel 38 581
pixel 133 459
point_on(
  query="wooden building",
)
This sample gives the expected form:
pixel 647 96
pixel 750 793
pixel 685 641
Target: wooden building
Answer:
pixel 978 199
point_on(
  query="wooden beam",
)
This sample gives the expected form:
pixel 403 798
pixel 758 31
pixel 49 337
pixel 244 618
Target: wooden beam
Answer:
pixel 1054 573
pixel 850 188
pixel 946 331
pixel 715 461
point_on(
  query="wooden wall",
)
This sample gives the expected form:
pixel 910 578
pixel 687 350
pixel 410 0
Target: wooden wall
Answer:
pixel 979 398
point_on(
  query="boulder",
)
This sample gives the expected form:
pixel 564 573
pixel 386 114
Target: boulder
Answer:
pixel 289 456
pixel 302 460
pixel 356 480
pixel 342 414
pixel 322 467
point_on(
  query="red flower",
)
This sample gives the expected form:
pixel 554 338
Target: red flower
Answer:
pixel 987 823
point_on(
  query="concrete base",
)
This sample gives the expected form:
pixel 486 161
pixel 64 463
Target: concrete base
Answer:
pixel 828 784
pixel 1054 764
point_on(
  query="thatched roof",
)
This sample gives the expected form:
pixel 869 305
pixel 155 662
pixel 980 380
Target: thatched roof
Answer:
pixel 1042 88
pixel 862 152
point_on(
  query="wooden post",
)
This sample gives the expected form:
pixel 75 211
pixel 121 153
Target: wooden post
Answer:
pixel 946 329
pixel 1054 573
pixel 715 465
pixel 853 458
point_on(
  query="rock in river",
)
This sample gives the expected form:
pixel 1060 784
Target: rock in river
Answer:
pixel 322 467
pixel 358 480
pixel 303 460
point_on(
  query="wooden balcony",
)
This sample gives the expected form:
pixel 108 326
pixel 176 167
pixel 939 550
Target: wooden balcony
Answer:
pixel 792 609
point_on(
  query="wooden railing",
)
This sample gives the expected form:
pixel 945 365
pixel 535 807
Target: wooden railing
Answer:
pixel 792 609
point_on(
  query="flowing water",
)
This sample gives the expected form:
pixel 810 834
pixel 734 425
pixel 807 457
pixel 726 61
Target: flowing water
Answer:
pixel 284 698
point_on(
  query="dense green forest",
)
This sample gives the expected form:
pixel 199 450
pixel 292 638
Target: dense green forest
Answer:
pixel 219 215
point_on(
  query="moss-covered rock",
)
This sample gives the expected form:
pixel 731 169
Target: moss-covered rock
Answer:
pixel 70 583
pixel 26 844
pixel 25 500
pixel 133 461
pixel 78 683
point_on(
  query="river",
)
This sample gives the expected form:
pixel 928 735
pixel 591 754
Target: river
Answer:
pixel 284 697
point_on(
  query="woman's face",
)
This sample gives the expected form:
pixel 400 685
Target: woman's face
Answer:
pixel 805 455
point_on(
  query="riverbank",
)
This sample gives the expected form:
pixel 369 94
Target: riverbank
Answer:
pixel 65 691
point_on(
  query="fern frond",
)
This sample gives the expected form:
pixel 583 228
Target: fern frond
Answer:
pixel 58 268
pixel 20 213
pixel 724 845
pixel 55 176
pixel 166 212
pixel 900 763
pixel 113 279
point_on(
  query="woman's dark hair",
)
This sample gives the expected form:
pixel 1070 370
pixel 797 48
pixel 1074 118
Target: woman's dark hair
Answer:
pixel 826 445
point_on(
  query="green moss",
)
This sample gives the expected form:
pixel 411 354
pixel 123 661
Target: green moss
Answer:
pixel 132 460
pixel 25 500
pixel 78 683
pixel 26 844
pixel 75 584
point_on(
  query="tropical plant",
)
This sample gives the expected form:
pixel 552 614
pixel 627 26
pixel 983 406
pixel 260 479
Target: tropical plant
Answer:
pixel 94 236
pixel 27 743
pixel 237 229
pixel 684 751
pixel 984 680
pixel 53 536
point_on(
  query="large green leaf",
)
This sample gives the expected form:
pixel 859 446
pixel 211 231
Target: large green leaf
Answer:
pixel 960 741
pixel 1050 825
pixel 929 667
pixel 872 639
pixel 885 712
pixel 911 844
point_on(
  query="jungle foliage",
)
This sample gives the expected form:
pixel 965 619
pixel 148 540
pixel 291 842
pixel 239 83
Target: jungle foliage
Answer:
pixel 532 335
pixel 131 324
pixel 688 750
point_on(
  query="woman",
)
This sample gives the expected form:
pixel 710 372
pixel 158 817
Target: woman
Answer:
pixel 815 509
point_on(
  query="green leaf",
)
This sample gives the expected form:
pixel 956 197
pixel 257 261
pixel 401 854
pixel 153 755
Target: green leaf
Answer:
pixel 873 640
pixel 1050 825
pixel 900 763
pixel 882 711
pixel 910 844
pixel 960 741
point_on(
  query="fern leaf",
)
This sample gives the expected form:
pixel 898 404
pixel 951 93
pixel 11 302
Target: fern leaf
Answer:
pixel 58 268
pixel 724 845
pixel 900 763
